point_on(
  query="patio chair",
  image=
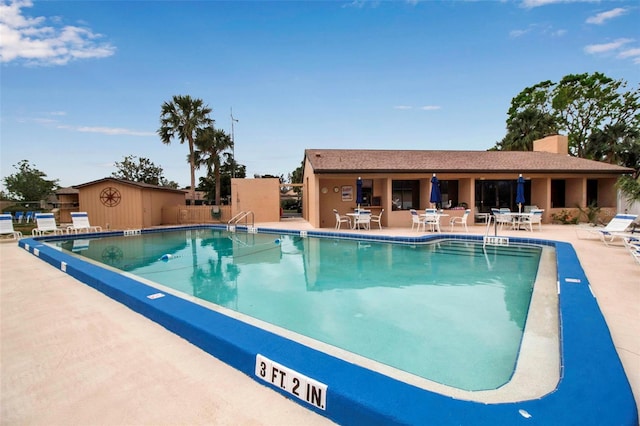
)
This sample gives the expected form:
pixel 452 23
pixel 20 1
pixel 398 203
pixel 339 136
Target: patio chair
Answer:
pixel 81 223
pixel 377 218
pixel 19 217
pixel 480 217
pixel 46 224
pixel 460 220
pixel 362 219
pixel 532 218
pixel 416 221
pixel 28 217
pixel 6 227
pixel 614 229
pixel 503 217
pixel 340 219
pixel 432 220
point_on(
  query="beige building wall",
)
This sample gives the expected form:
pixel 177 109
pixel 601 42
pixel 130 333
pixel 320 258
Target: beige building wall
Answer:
pixel 127 213
pixel 260 196
pixel 323 197
pixel 136 207
pixel 556 144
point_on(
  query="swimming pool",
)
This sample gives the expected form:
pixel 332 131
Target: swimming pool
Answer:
pixel 350 394
pixel 448 311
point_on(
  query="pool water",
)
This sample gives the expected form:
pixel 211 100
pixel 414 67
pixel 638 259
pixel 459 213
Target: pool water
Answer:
pixel 448 311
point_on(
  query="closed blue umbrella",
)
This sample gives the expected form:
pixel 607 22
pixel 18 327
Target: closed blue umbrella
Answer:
pixel 436 197
pixel 359 192
pixel 520 193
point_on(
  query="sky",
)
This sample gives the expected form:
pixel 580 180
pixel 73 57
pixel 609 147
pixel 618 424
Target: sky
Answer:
pixel 82 82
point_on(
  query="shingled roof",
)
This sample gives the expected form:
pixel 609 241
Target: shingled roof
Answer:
pixel 130 183
pixel 414 161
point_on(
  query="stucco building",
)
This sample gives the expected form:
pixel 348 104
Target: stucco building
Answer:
pixel 398 180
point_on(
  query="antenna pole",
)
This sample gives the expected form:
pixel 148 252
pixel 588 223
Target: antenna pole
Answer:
pixel 233 147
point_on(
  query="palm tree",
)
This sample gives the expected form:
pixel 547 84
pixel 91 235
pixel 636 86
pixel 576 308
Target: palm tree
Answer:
pixel 181 118
pixel 212 144
pixel 525 127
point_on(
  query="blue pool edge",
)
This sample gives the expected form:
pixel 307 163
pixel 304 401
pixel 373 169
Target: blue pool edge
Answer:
pixel 593 387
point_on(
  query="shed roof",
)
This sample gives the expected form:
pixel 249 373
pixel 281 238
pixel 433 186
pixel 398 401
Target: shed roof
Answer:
pixel 141 185
pixel 69 190
pixel 416 161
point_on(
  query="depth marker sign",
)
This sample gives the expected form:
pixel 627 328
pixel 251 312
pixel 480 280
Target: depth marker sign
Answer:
pixel 299 385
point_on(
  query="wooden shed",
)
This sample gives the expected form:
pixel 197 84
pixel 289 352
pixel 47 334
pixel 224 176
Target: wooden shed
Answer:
pixel 119 204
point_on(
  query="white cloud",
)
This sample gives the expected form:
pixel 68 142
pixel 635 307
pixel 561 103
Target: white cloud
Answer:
pixel 558 33
pixel 631 53
pixel 606 47
pixel 31 40
pixel 530 4
pixel 51 120
pixel 600 18
pixel 359 4
pixel 536 29
pixel 518 33
pixel 402 107
pixel 113 131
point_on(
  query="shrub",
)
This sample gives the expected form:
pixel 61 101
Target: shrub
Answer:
pixel 591 213
pixel 564 217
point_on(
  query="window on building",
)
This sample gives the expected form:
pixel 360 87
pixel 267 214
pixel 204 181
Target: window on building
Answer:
pixel 592 192
pixel 449 192
pixel 405 194
pixel 558 187
pixel 367 191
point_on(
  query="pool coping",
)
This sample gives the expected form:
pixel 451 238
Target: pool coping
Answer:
pixel 593 388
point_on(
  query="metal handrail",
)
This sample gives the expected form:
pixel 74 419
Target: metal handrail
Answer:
pixel 486 232
pixel 242 215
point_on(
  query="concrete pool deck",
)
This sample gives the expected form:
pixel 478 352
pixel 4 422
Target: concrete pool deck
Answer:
pixel 97 362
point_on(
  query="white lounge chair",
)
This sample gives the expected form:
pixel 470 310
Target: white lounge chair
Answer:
pixel 377 218
pixel 340 219
pixel 81 223
pixel 617 226
pixel 632 242
pixel 460 220
pixel 46 225
pixel 6 227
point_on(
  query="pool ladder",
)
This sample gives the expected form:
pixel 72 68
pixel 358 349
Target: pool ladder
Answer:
pixel 240 216
pixel 493 240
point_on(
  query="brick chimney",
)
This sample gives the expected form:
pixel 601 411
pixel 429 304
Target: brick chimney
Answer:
pixel 556 144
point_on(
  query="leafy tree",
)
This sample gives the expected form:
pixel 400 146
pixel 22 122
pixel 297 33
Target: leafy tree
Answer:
pixel 630 187
pixel 297 175
pixel 211 145
pixel 29 183
pixel 525 127
pixel 141 171
pixel 181 118
pixel 268 176
pixel 581 105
